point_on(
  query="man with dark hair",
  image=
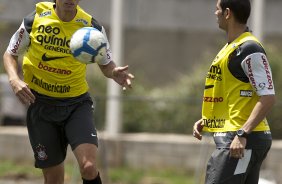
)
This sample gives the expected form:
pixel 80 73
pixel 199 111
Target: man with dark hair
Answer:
pixel 241 9
pixel 238 94
pixel 60 109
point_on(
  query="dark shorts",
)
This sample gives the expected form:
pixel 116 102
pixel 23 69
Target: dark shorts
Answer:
pixel 53 125
pixel 223 169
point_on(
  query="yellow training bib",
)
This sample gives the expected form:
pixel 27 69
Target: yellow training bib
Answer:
pixel 48 65
pixel 228 102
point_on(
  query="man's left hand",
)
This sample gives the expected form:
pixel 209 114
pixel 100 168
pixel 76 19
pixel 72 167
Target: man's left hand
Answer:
pixel 237 147
pixel 122 77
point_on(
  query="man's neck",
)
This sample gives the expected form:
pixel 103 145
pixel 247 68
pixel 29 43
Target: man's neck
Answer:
pixel 65 16
pixel 235 31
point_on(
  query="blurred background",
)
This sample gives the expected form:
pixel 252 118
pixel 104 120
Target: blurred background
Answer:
pixel 168 45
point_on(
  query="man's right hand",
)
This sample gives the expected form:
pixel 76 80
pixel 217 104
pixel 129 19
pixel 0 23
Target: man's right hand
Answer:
pixel 197 129
pixel 22 91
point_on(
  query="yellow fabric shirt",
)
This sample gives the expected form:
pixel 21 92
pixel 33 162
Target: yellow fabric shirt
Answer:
pixel 48 65
pixel 224 107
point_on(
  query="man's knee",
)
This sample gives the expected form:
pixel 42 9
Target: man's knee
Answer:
pixel 88 170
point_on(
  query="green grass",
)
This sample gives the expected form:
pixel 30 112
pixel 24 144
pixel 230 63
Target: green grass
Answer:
pixel 117 175
pixel 17 170
pixel 10 169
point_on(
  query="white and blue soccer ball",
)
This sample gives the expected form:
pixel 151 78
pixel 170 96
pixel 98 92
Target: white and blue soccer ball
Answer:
pixel 88 45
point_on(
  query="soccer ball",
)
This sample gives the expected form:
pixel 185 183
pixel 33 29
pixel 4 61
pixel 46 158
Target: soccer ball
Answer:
pixel 88 45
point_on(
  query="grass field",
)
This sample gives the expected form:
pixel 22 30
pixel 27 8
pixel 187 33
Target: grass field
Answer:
pixel 118 175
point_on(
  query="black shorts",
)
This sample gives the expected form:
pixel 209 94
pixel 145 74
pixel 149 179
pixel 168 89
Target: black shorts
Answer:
pixel 53 124
pixel 223 169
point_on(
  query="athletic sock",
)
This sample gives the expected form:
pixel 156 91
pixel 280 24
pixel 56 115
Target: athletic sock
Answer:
pixel 97 180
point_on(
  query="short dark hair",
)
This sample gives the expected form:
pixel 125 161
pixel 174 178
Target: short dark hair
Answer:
pixel 240 8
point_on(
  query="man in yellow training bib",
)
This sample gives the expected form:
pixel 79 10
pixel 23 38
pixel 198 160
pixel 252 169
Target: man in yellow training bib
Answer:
pixel 60 109
pixel 238 93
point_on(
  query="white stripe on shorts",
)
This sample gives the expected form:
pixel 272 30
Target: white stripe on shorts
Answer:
pixel 243 162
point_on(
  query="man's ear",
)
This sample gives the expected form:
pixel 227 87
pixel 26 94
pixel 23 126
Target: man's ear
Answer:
pixel 227 13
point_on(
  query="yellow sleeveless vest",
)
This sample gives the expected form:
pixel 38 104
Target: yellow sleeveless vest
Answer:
pixel 48 66
pixel 228 102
